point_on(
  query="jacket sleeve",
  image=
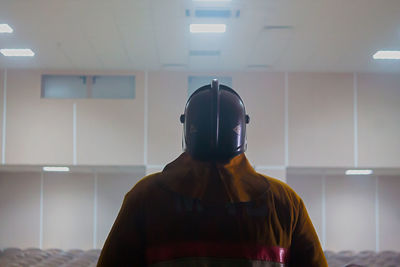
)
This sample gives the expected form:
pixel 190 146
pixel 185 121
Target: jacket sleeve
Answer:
pixel 124 244
pixel 305 249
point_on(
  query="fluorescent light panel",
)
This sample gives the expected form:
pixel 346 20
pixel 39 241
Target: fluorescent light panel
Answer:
pixel 394 54
pixel 17 52
pixel 5 28
pixel 207 28
pixel 56 169
pixel 359 172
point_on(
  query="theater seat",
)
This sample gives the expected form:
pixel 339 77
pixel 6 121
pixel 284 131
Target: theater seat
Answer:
pixel 15 257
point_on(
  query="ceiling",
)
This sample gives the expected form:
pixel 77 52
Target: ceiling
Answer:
pixel 322 35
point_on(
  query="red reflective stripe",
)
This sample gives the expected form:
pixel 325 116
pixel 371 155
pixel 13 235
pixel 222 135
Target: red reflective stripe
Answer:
pixel 215 249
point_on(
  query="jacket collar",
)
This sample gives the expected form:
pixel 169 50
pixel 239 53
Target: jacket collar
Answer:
pixel 234 181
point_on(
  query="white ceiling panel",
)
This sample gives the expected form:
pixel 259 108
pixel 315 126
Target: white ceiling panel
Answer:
pixel 204 63
pixel 136 26
pixel 327 35
pixel 172 42
pixel 270 46
pixel 106 39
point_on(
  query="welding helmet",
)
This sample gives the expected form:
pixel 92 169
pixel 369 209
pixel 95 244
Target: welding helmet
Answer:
pixel 214 123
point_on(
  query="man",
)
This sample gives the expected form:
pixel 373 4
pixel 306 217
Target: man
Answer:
pixel 209 207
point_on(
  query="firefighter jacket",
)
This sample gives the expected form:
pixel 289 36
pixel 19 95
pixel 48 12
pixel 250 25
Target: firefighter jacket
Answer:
pixel 207 214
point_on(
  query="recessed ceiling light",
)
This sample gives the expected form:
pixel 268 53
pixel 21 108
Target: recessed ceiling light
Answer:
pixel 17 52
pixel 207 28
pixel 394 54
pixel 359 172
pixel 56 169
pixel 5 28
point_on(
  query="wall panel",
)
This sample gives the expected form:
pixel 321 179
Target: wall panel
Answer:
pixel 350 213
pixel 39 131
pixel 19 209
pixel 263 96
pixel 389 212
pixel 321 119
pixel 167 94
pixel 68 209
pixel 378 122
pixel 111 132
pixel 309 188
pixel 2 77
pixel 111 189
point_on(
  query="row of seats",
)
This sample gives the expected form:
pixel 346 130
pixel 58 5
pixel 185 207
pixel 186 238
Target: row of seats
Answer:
pixel 15 257
pixel 363 258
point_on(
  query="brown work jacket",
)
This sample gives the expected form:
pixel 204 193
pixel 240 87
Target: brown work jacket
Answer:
pixel 208 214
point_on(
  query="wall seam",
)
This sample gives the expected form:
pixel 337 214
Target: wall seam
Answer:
pixel 286 119
pixel 377 237
pixel 95 211
pixel 74 148
pixel 3 140
pixel 41 211
pixel 355 117
pixel 145 145
pixel 323 207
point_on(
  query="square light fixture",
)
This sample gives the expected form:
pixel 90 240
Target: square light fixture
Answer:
pixel 207 28
pixel 393 54
pixel 17 52
pixel 359 172
pixel 5 28
pixel 55 169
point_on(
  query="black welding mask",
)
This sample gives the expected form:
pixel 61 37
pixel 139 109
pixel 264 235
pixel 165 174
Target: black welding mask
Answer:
pixel 214 123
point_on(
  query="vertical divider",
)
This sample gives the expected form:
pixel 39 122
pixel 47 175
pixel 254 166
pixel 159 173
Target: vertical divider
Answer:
pixel 286 119
pixel 74 148
pixel 377 237
pixel 4 132
pixel 145 137
pixel 355 117
pixel 95 210
pixel 323 206
pixel 41 211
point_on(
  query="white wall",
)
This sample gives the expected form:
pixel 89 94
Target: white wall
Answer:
pixel 2 83
pixel 389 213
pixel 264 98
pixel 297 120
pixel 61 210
pixel 167 94
pixel 378 120
pixel 19 209
pixel 321 119
pixel 351 212
pixel 41 131
pixel 38 131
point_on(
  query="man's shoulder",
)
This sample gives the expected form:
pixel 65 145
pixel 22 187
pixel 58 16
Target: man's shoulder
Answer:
pixel 144 185
pixel 282 190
